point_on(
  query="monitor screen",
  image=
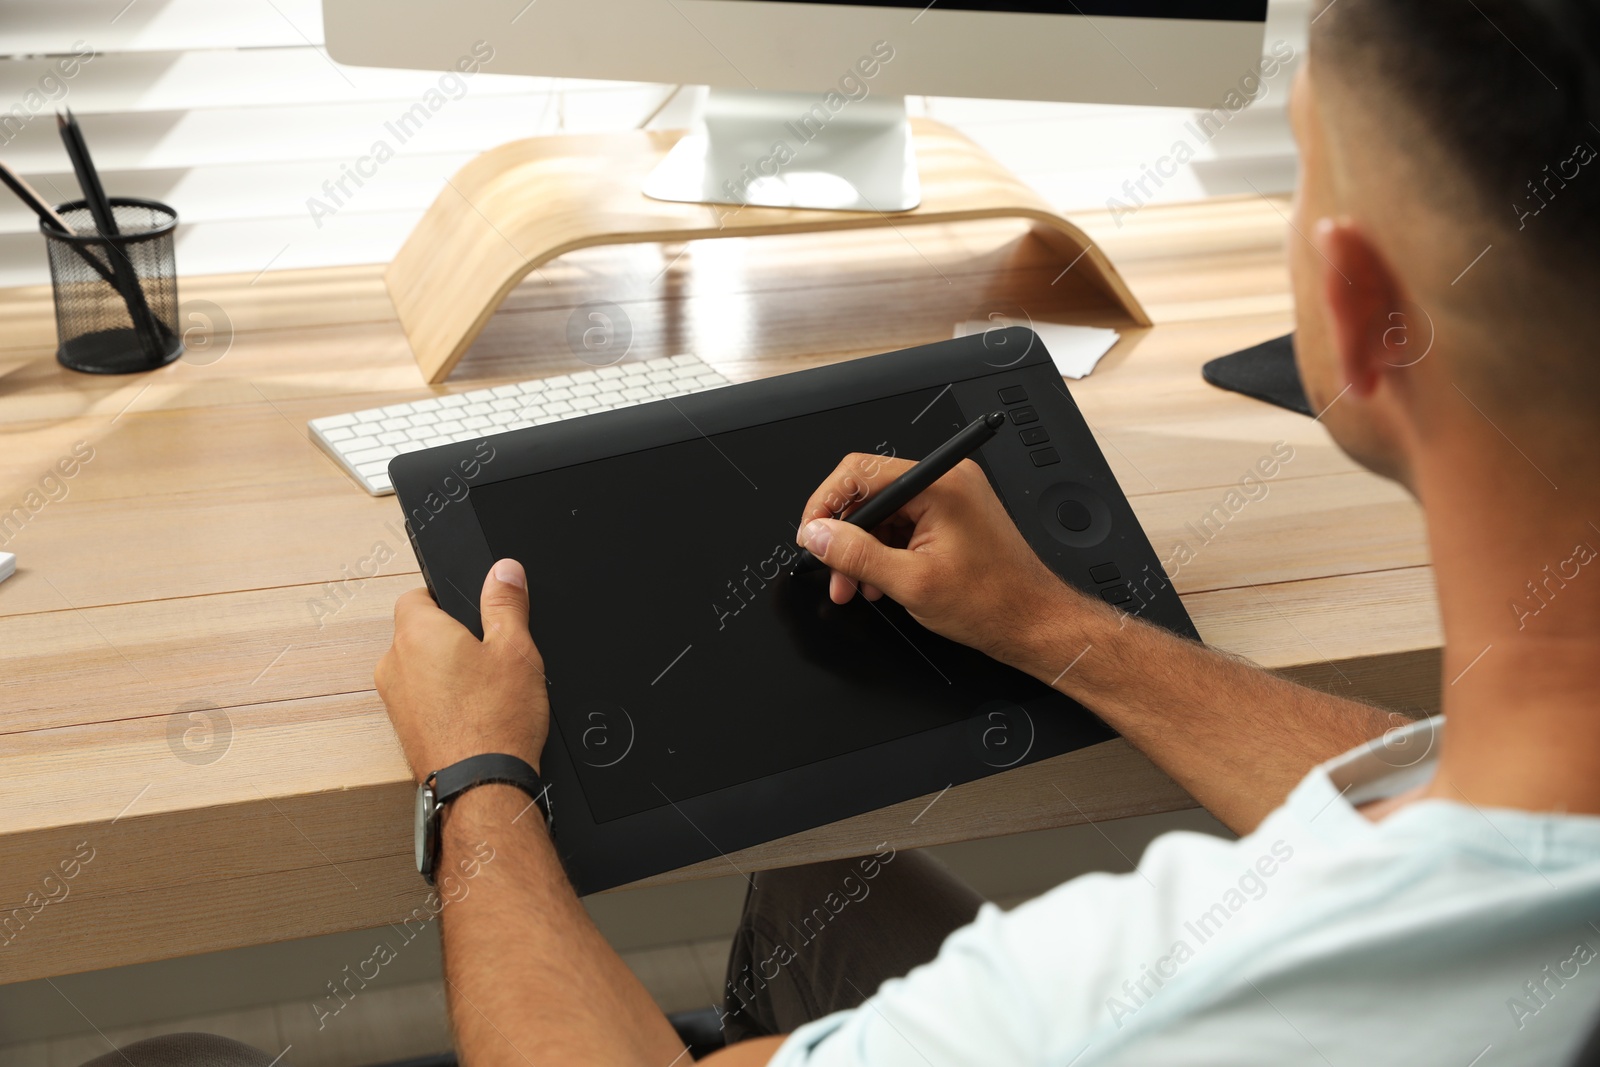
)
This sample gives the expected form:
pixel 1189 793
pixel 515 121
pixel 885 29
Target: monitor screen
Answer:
pixel 681 656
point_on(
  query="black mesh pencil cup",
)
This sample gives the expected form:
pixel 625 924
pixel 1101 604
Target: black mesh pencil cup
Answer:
pixel 116 297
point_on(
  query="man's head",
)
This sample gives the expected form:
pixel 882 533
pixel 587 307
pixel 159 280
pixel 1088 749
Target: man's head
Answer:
pixel 1448 216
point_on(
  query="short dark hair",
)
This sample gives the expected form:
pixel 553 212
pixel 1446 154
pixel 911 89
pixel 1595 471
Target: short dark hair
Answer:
pixel 1510 91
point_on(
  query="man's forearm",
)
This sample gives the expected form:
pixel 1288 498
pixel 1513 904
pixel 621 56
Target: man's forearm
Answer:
pixel 1236 737
pixel 530 979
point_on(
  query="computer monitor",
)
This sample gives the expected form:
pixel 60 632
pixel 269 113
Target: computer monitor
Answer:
pixel 806 106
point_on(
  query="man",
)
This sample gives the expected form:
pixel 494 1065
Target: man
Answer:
pixel 1431 897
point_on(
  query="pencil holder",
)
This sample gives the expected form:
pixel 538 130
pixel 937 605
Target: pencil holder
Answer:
pixel 116 296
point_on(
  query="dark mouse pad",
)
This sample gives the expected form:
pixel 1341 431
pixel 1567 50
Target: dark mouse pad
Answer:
pixel 1265 371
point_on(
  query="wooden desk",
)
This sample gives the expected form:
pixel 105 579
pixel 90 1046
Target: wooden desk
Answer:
pixel 175 580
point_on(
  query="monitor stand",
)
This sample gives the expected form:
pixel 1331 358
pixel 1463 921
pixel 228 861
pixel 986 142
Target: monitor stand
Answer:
pixel 522 204
pixel 794 150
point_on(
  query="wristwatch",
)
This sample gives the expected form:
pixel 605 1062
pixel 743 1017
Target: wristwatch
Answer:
pixel 441 787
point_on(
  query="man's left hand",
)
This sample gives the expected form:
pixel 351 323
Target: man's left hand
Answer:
pixel 451 696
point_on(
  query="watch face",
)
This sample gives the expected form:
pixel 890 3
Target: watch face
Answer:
pixel 424 830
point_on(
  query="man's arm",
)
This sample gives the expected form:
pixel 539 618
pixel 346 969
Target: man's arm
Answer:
pixel 1236 737
pixel 529 977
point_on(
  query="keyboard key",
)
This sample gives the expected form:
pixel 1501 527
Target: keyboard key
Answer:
pixel 430 404
pixel 474 422
pixel 333 422
pixel 393 437
pixel 420 433
pixel 555 407
pixel 635 393
pixel 479 408
pixel 558 394
pixel 585 389
pixel 609 398
pixel 380 483
pixel 370 416
pixel 505 391
pixel 560 381
pixel 450 427
pixel 357 444
pixel 368 455
pixel 503 418
pixel 399 422
pixel 684 361
pixel 609 372
pixel 455 400
pixel 508 403
pixel 338 433
pixel 424 418
pixel 531 411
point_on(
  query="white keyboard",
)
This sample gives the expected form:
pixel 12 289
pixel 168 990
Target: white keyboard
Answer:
pixel 363 442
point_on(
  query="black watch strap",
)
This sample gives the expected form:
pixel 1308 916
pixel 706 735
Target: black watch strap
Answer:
pixel 457 778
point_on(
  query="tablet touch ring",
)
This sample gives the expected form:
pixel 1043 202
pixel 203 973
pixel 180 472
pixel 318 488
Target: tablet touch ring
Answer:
pixel 1074 514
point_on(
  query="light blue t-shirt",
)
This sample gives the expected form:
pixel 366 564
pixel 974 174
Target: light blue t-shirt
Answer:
pixel 1442 934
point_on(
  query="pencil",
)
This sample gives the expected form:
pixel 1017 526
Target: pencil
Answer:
pixel 41 207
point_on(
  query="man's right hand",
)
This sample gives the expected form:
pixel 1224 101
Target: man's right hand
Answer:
pixel 952 557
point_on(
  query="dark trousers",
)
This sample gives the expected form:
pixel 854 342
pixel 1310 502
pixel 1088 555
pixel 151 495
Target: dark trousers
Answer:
pixel 821 938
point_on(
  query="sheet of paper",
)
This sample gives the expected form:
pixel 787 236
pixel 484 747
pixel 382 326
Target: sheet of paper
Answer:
pixel 1075 349
pixel 8 565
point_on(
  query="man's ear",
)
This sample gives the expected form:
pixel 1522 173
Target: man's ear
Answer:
pixel 1362 297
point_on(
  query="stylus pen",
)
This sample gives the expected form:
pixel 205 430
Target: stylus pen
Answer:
pixel 900 492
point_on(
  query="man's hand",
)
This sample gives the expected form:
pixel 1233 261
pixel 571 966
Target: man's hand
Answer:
pixel 952 557
pixel 450 695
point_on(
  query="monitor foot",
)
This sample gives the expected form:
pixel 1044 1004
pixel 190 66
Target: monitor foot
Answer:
pixel 794 150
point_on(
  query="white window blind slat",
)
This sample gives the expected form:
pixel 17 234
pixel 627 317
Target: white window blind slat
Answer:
pixel 35 27
pixel 226 136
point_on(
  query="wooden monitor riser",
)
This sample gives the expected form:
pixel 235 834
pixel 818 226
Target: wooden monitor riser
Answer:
pixel 523 204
